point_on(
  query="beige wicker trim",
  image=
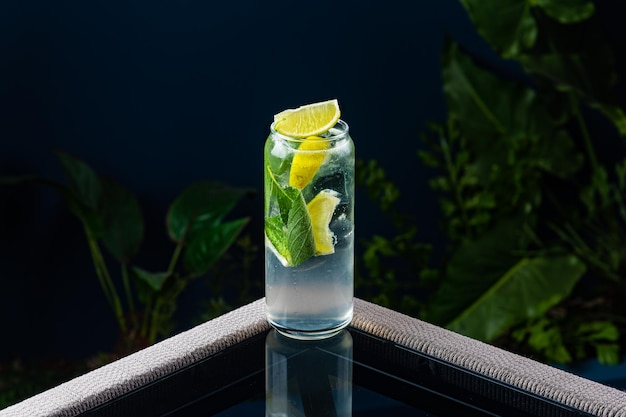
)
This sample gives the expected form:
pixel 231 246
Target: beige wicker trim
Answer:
pixel 110 381
pixel 566 388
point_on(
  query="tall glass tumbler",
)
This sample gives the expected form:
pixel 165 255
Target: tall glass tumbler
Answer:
pixel 309 232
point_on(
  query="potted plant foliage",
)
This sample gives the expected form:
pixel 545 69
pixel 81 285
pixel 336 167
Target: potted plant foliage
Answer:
pixel 533 210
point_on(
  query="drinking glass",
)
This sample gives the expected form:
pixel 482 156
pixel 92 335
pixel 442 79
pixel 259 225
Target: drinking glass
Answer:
pixel 309 232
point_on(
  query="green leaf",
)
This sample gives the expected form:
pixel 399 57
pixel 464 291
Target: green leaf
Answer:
pixel 567 11
pixel 598 331
pixel 527 290
pixel 509 133
pixel 485 106
pixel 293 237
pixel 557 155
pixel 268 190
pixel 83 181
pixel 209 244
pixel 275 232
pixel 286 198
pixel 429 159
pixel 544 337
pixel 475 266
pixel 379 188
pixel 588 72
pixel 155 280
pixel 615 114
pixel 83 196
pixel 507 25
pixel 201 206
pixel 577 59
pixel 608 353
pixel 299 232
pixel 122 221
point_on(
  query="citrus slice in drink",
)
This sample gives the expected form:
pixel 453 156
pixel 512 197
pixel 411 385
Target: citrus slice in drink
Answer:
pixel 307 161
pixel 309 120
pixel 321 209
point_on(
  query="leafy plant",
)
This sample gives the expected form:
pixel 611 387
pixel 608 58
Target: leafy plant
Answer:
pixel 533 214
pixel 385 270
pixel 111 218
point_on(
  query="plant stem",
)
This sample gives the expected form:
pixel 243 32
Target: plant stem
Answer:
pixel 129 295
pixel 455 182
pixel 146 316
pixel 585 252
pixel 105 279
pixel 175 256
pixel 150 324
pixel 154 323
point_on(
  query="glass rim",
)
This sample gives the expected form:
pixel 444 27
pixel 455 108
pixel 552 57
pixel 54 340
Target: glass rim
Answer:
pixel 341 125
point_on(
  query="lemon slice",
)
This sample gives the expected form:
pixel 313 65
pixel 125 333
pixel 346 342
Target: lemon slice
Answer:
pixel 307 161
pixel 321 210
pixel 310 120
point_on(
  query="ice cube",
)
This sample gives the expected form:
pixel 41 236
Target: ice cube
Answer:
pixel 280 149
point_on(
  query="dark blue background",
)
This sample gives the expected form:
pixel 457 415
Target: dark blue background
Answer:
pixel 159 94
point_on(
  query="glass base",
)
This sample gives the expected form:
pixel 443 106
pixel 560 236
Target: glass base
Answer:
pixel 309 334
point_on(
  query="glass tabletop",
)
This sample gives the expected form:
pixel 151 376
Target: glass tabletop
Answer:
pixel 350 374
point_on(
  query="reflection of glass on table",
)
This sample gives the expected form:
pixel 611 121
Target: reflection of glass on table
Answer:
pixel 308 378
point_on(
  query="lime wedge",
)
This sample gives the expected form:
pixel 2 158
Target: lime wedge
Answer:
pixel 321 209
pixel 309 120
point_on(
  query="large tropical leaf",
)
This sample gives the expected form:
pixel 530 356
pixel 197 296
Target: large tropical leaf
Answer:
pixel 475 267
pixel 504 121
pixel 85 192
pixel 83 181
pixel 209 244
pixel 527 290
pixel 578 60
pixel 507 25
pixel 567 11
pixel 574 58
pixel 569 49
pixel 200 206
pixel 486 105
pixel 510 26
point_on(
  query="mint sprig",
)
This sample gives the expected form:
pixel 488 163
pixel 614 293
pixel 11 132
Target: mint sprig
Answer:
pixel 290 231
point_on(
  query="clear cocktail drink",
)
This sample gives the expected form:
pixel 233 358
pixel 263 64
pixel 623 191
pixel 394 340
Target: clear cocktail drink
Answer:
pixel 309 232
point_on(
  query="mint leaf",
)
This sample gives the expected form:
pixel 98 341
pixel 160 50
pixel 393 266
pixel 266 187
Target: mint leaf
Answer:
pixel 275 232
pixel 291 231
pixel 268 190
pixel 284 196
pixel 299 231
